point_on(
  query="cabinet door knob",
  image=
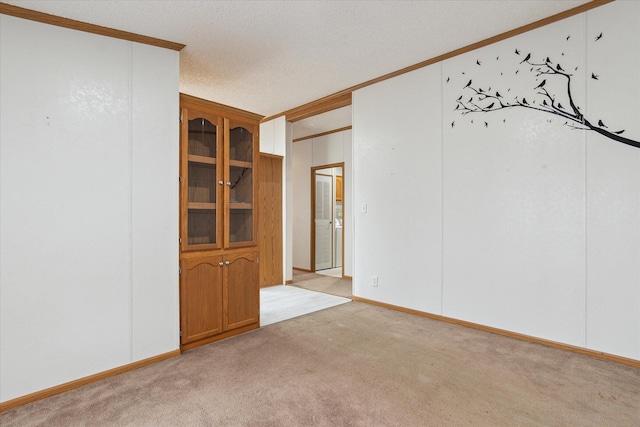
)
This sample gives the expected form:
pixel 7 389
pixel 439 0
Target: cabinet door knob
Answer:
pixel 227 262
pixel 220 182
pixel 229 183
pixel 220 263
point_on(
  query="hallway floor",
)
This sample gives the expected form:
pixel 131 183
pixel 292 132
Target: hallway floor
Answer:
pixel 278 303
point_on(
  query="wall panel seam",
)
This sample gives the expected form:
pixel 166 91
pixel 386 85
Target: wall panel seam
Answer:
pixel 441 63
pixel 586 191
pixel 131 199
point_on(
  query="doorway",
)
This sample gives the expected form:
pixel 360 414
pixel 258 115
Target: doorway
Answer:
pixel 327 231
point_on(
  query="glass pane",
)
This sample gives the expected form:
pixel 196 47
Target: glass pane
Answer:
pixel 202 182
pixel 241 189
pixel 241 204
pixel 202 137
pixel 240 145
pixel 202 226
pixel 240 225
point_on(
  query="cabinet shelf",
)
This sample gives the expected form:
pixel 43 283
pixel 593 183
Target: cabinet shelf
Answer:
pixel 240 205
pixel 240 164
pixel 201 206
pixel 202 159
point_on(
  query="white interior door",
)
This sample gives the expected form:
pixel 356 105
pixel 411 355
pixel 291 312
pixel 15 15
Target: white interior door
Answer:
pixel 324 221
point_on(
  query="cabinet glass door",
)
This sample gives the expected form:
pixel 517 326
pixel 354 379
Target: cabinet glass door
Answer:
pixel 203 135
pixel 240 183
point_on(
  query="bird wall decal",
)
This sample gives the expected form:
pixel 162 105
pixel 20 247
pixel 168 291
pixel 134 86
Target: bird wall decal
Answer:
pixel 552 86
pixel 541 84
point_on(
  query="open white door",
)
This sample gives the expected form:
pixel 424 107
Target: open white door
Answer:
pixel 324 221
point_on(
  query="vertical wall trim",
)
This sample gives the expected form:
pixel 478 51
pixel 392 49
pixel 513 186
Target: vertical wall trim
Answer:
pixel 131 183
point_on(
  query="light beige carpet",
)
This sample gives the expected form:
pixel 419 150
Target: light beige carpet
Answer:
pixel 356 365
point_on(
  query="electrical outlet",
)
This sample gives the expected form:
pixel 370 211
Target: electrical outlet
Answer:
pixel 374 281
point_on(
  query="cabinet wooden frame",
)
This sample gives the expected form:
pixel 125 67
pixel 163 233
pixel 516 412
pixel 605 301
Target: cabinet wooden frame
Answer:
pixel 186 160
pixel 224 165
pixel 219 293
pixel 232 206
pixel 219 268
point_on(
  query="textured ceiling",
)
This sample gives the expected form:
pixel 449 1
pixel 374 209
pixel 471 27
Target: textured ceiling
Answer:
pixel 271 56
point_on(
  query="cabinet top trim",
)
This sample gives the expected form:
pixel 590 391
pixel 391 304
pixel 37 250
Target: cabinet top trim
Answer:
pixel 45 18
pixel 199 102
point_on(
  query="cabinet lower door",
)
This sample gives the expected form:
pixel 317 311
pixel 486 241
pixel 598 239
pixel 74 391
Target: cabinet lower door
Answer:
pixel 242 292
pixel 201 298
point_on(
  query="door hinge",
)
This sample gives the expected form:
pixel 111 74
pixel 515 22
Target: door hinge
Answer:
pixel 179 240
pixel 180 333
pixel 179 179
pixel 179 270
pixel 180 117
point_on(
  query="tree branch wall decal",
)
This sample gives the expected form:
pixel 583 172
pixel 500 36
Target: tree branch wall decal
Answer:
pixel 551 86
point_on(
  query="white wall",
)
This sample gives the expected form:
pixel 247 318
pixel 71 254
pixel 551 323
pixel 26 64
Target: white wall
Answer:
pixel 397 175
pixel 89 204
pixel 324 150
pixel 613 187
pixel 515 220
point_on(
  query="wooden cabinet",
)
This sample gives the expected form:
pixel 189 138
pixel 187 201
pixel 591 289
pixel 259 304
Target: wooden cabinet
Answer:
pixel 201 298
pixel 241 279
pixel 219 285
